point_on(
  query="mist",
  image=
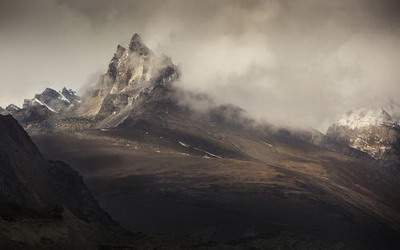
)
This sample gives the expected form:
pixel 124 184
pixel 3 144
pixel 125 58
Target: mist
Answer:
pixel 298 63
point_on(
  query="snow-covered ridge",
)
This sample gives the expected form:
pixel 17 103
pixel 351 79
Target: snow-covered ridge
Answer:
pixel 373 130
pixel 12 108
pixel 35 100
pixel 388 115
pixel 62 97
pixel 53 100
pixel 362 118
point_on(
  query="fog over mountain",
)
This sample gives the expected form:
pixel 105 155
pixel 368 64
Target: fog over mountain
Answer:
pixel 291 62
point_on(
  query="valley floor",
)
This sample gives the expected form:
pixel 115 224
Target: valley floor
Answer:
pixel 221 203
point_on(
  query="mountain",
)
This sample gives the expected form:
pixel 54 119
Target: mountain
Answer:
pixel 165 161
pixel 45 204
pixel 134 75
pixel 3 111
pixel 12 108
pixel 53 100
pixel 70 95
pixel 375 131
pixel 212 174
pixel 44 110
pixel 137 95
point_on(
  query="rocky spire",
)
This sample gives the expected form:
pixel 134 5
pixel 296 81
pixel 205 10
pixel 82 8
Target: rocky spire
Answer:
pixel 138 46
pixel 132 76
pixel 112 67
pixel 120 51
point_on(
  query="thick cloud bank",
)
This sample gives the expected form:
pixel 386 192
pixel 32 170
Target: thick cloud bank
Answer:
pixel 292 62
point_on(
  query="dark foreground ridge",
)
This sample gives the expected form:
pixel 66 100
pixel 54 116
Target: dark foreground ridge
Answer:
pixel 45 204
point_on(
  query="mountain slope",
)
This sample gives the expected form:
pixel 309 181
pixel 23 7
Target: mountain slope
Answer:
pixel 262 189
pixel 37 196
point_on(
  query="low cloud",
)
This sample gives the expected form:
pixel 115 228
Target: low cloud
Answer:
pixel 290 62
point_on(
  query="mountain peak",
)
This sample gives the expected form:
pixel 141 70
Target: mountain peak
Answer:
pixel 373 130
pixel 136 38
pixel 12 108
pixel 363 117
pixel 53 100
pixel 132 76
pixel 120 51
pixel 3 111
pixel 136 44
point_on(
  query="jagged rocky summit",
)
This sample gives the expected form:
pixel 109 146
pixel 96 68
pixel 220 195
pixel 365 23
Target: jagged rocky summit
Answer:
pixel 375 131
pixel 134 75
pixel 55 101
pixel 43 109
pixel 12 108
pixel 3 111
pixel 50 99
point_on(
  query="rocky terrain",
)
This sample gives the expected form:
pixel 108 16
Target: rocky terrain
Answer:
pixel 213 178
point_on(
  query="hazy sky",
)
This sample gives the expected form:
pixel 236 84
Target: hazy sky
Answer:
pixel 299 62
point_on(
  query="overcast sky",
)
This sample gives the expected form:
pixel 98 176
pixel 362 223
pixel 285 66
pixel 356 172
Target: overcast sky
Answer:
pixel 298 62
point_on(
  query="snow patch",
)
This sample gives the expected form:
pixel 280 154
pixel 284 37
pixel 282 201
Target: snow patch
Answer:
pixel 268 144
pixel 62 97
pixel 208 154
pixel 183 144
pixel 44 104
